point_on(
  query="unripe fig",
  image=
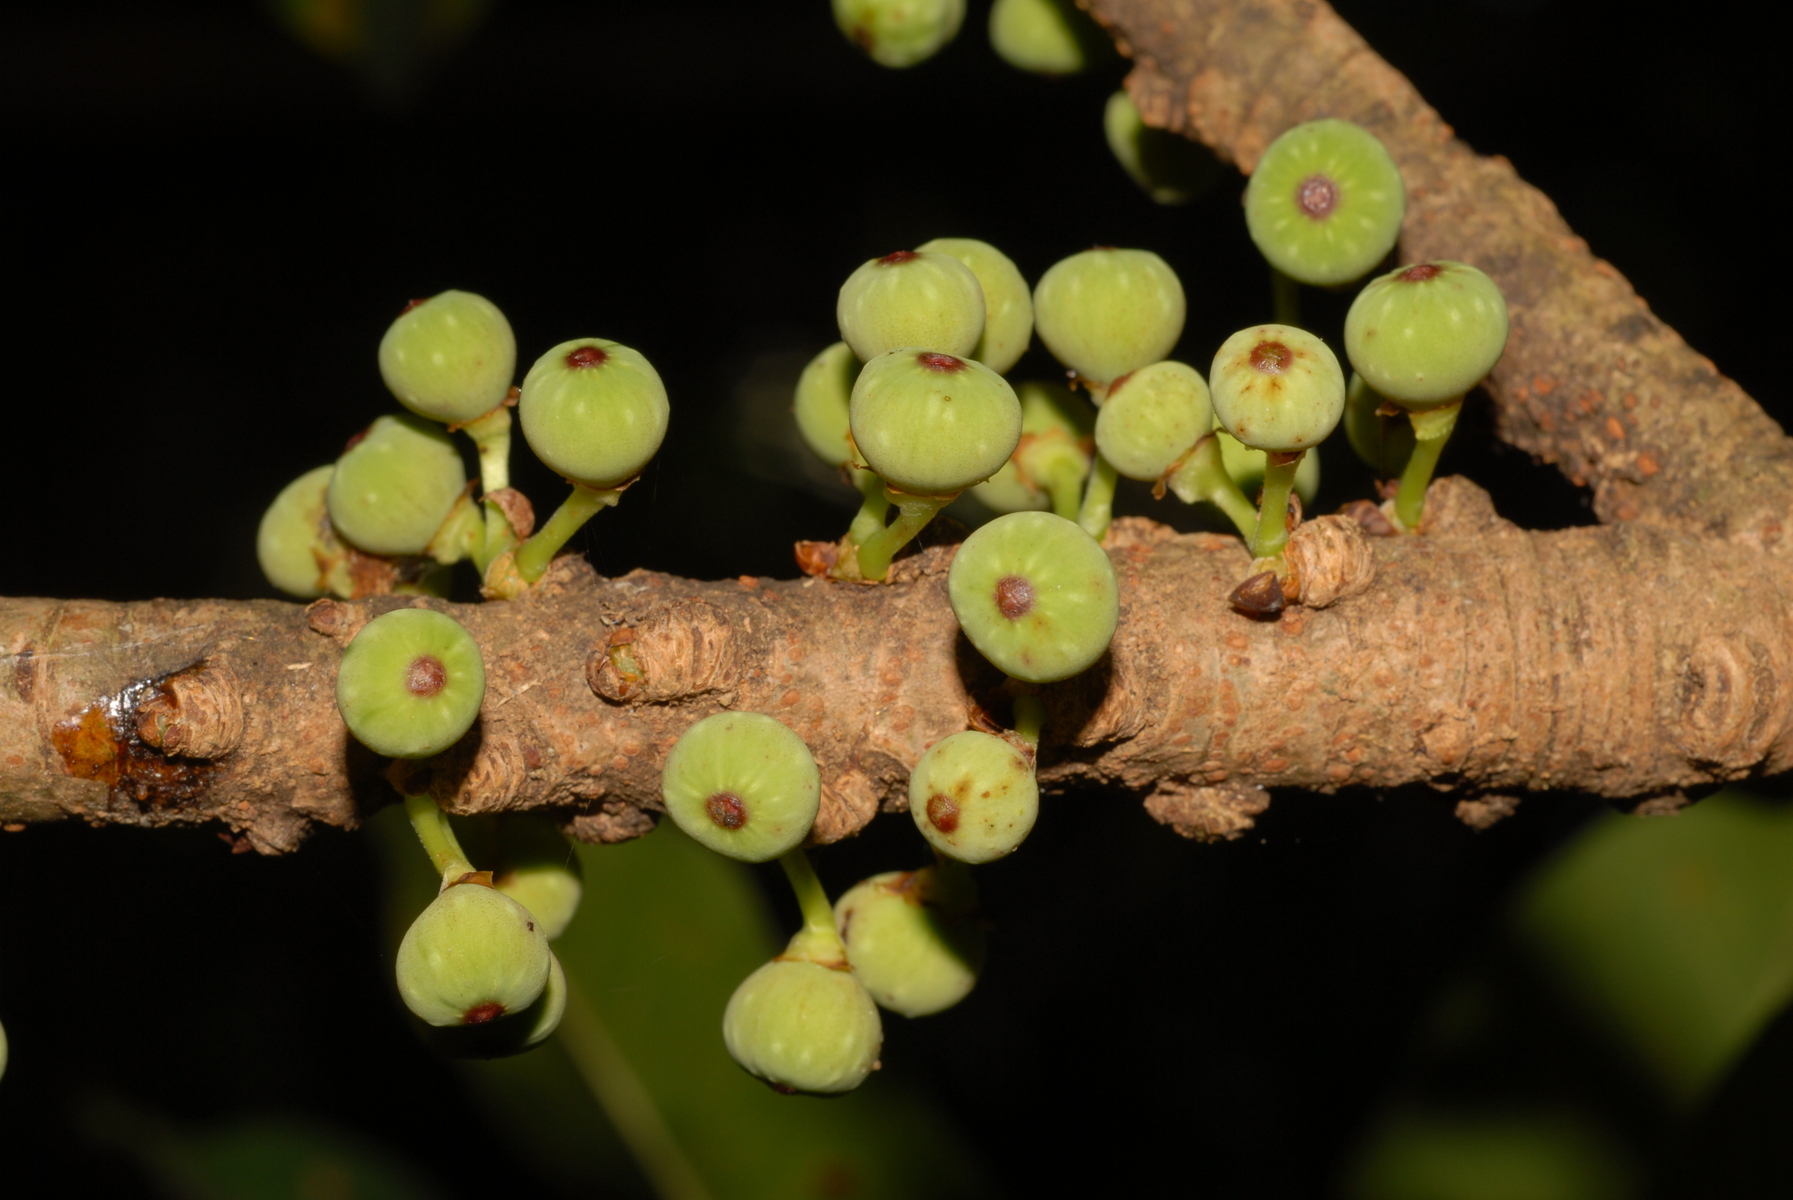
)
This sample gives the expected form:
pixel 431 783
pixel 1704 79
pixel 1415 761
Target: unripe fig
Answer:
pixel 1052 459
pixel 450 358
pixel 1008 302
pixel 1425 334
pixel 472 956
pixel 899 33
pixel 1036 595
pixel 1277 388
pixel 1325 202
pixel 537 867
pixel 295 544
pixel 915 954
pixel 824 392
pixel 594 411
pixel 742 784
pixel 1105 312
pixel 394 487
pixel 411 683
pixel 1171 168
pixel 973 796
pixel 510 1034
pixel 804 1027
pixel 1151 417
pixel 1047 37
pixel 931 423
pixel 911 298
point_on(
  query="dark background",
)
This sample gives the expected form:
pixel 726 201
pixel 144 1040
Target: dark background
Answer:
pixel 211 227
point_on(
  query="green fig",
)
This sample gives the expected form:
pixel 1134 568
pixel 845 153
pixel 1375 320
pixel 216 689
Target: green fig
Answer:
pixel 974 797
pixel 804 1027
pixel 1106 312
pixel 899 33
pixel 1168 166
pixel 1036 595
pixel 295 544
pixel 450 358
pixel 395 486
pixel 1008 302
pixel 917 948
pixel 594 411
pixel 410 684
pixel 1277 388
pixel 1151 417
pixel 1424 335
pixel 918 298
pixel 933 424
pixel 824 391
pixel 742 784
pixel 537 867
pixel 1325 202
pixel 472 956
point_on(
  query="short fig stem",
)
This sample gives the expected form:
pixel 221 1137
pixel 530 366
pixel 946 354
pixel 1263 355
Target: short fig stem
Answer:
pixel 1431 429
pixel 461 534
pixel 817 942
pixel 1098 499
pixel 1064 483
pixel 1273 506
pixel 439 841
pixel 913 515
pixel 499 538
pixel 869 520
pixel 1285 296
pixel 1030 718
pixel 534 555
pixel 491 436
pixel 1202 475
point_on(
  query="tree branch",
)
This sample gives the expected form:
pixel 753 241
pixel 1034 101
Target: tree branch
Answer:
pixel 1634 660
pixel 1478 657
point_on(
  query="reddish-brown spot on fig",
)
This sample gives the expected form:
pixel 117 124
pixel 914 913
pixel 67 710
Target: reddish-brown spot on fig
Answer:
pixel 1420 273
pixel 587 356
pixel 425 676
pixel 1014 597
pixel 935 361
pixel 727 810
pixel 1317 197
pixel 898 258
pixel 1272 358
pixel 479 1014
pixel 943 812
pixel 409 306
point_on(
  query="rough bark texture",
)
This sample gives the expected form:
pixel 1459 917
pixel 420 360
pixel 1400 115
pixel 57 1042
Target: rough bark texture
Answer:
pixel 1479 657
pixel 1636 660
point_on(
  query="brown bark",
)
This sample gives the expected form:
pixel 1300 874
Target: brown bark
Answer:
pixel 1634 660
pixel 1479 657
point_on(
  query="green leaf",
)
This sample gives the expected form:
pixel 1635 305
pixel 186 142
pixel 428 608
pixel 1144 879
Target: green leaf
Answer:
pixel 1674 934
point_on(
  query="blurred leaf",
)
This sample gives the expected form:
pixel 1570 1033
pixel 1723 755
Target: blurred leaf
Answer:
pixel 1494 1156
pixel 666 932
pixel 267 1158
pixel 1675 934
